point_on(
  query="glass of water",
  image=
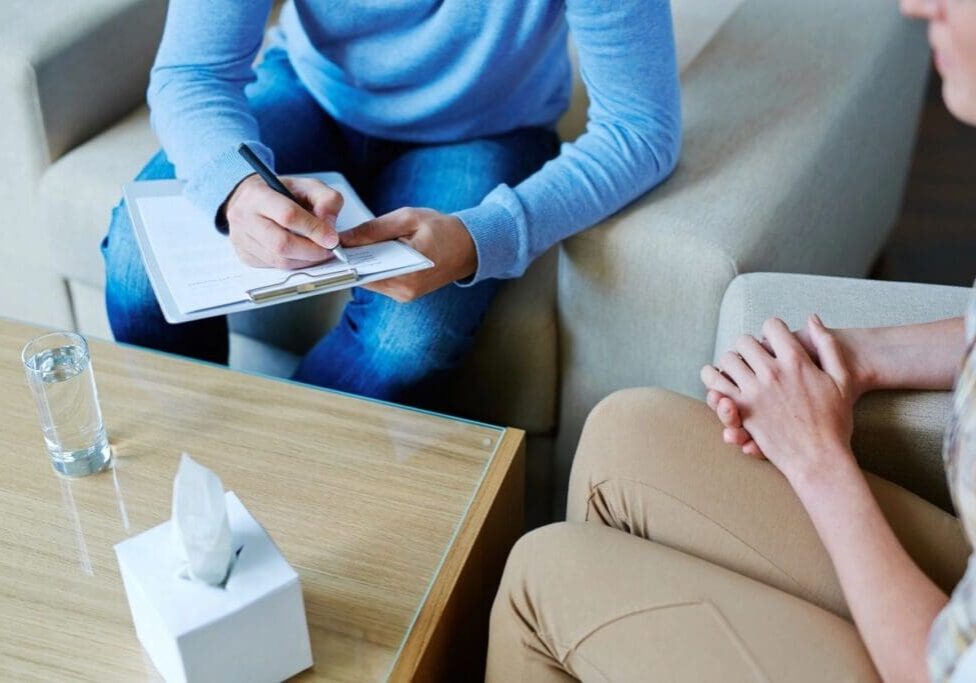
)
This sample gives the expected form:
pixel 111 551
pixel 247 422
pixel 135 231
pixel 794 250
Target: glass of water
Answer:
pixel 59 373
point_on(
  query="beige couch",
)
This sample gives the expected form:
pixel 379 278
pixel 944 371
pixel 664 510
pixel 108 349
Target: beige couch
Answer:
pixel 799 120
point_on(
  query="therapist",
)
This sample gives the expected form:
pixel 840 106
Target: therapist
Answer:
pixel 442 116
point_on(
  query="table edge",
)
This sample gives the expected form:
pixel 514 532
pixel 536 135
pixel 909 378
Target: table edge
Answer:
pixel 411 655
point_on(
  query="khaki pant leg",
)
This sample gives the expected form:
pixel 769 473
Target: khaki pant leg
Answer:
pixel 652 463
pixel 588 602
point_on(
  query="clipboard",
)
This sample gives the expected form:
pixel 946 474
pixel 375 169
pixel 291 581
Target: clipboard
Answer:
pixel 284 285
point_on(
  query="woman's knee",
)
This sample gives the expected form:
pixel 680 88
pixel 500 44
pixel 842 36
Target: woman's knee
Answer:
pixel 618 425
pixel 633 436
pixel 533 564
pixel 525 617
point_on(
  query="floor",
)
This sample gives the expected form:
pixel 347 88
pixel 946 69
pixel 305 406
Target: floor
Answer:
pixel 935 238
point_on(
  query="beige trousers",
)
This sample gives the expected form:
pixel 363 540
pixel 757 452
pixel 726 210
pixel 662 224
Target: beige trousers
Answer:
pixel 683 560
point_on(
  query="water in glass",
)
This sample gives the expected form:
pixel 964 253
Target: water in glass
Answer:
pixel 67 402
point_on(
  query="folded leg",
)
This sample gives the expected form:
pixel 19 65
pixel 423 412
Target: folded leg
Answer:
pixel 583 601
pixel 652 463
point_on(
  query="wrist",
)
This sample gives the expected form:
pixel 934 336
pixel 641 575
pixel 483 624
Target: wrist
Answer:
pixel 235 193
pixel 832 468
pixel 470 262
pixel 864 358
pixel 223 224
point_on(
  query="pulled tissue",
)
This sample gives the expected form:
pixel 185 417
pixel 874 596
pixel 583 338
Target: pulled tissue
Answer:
pixel 201 532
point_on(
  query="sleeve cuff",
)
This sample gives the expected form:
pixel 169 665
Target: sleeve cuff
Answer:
pixel 494 229
pixel 212 183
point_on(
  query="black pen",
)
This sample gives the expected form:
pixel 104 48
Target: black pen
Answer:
pixel 275 184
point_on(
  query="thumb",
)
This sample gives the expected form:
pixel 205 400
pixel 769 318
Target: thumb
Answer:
pixel 828 351
pixel 389 226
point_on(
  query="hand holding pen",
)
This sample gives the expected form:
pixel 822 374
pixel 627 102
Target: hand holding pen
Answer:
pixel 289 224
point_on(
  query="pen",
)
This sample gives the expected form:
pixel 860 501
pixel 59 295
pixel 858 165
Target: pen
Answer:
pixel 275 184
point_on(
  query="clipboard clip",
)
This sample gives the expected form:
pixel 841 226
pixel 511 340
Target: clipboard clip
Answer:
pixel 313 283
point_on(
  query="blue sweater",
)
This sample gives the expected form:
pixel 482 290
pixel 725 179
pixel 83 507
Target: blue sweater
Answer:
pixel 437 71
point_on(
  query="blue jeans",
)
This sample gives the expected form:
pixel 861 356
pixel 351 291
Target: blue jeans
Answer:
pixel 380 348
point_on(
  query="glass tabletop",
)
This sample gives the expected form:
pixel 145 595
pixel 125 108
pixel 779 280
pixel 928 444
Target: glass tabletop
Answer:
pixel 363 498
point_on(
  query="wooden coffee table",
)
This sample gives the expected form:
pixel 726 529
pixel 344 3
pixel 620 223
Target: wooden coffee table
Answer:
pixel 398 521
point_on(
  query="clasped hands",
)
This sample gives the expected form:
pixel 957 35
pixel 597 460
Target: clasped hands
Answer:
pixel 269 230
pixel 789 397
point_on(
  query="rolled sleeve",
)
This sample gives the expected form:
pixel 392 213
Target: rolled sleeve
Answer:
pixel 213 182
pixel 499 241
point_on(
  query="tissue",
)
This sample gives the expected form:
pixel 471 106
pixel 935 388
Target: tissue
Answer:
pixel 201 531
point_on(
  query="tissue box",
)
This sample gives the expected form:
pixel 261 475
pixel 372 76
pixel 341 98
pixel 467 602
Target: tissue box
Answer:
pixel 252 629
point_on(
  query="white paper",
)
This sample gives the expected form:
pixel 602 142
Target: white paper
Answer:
pixel 201 531
pixel 202 269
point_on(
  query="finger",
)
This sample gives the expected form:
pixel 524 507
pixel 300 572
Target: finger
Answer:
pixel 831 358
pixel 252 254
pixel 324 202
pixel 297 219
pixel 280 242
pixel 247 257
pixel 753 353
pixel 388 289
pixel 803 337
pixel 736 437
pixel 389 226
pixel 728 413
pixel 267 259
pixel 732 365
pixel 712 398
pixel 784 344
pixel 752 449
pixel 713 379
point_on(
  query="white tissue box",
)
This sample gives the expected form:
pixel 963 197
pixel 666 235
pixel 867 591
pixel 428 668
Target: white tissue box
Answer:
pixel 252 629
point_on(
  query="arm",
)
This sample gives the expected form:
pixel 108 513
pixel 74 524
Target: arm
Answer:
pixel 627 60
pixel 801 418
pixel 196 93
pixel 201 115
pixel 893 602
pixel 924 356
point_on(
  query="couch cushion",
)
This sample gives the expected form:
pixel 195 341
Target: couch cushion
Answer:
pixel 77 194
pixel 67 70
pixel 513 378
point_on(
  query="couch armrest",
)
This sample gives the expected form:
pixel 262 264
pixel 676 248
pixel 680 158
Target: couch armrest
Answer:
pixel 81 67
pixel 66 72
pixel 898 434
